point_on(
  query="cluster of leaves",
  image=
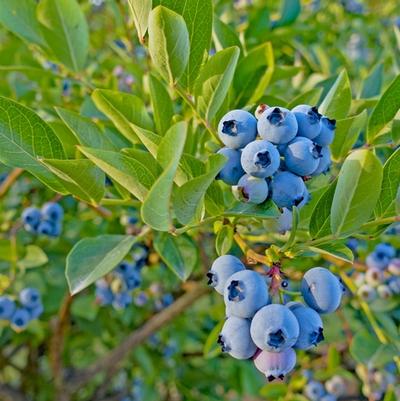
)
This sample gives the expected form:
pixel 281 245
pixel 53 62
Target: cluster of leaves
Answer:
pixel 191 61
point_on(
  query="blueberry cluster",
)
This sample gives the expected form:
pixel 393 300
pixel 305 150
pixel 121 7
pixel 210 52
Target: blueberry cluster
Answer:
pixel 116 288
pixel 376 382
pixel 293 146
pixel 45 221
pixel 382 277
pixel 334 388
pixel 28 307
pixel 269 332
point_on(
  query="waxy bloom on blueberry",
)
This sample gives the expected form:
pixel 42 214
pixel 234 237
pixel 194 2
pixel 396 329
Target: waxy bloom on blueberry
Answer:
pixel 275 365
pixel 7 308
pixel 52 211
pixel 327 134
pixel 314 390
pixel 223 268
pixel 251 189
pixel 308 120
pixel 277 125
pixel 287 189
pixel 237 128
pixel 30 297
pixel 232 170
pixel 20 319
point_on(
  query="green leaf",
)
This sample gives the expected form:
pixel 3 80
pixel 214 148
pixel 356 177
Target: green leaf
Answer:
pixel 140 10
pixel 20 18
pixel 65 30
pixel 290 11
pixel 346 135
pixel 224 240
pixel 386 205
pixel 85 130
pixel 264 211
pixel 80 177
pixel 224 36
pixel 253 74
pixel 25 137
pixel 187 198
pixel 34 257
pixel 214 80
pixel 273 391
pixel 310 97
pixel 384 111
pixel 320 219
pixel 198 15
pixel 129 172
pixel 180 253
pixel 336 249
pixel 372 84
pixel 211 348
pixel 123 109
pixel 357 191
pixel 214 199
pixel 66 137
pixel 100 255
pixel 337 101
pixel 162 105
pixel 168 43
pixel 156 206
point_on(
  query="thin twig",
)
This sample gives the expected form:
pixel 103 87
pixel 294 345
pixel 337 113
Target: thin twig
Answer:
pixel 10 179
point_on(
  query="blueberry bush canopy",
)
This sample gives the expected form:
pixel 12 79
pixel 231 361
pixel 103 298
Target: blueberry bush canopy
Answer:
pixel 199 200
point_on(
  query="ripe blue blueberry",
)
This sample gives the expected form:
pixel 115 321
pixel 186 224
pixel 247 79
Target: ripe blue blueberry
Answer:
pixel 7 308
pixel 122 300
pixel 274 328
pixel 310 324
pixel 232 170
pixel 20 319
pixel 36 311
pixel 285 221
pixel 308 120
pixel 237 128
pixel 302 156
pixel 287 189
pixel 321 290
pixel 275 365
pixel 324 162
pixel 31 217
pixel 52 211
pixel 223 268
pixel 245 293
pixel 235 338
pixel 314 390
pixel 325 138
pixel 385 250
pixel 251 189
pixel 46 228
pixel 260 159
pixel 132 279
pixel 377 261
pixel 30 297
pixel 277 125
pixel 167 300
pixel 104 295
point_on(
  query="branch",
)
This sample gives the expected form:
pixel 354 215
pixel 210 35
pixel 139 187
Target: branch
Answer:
pixel 8 393
pixel 11 178
pixel 113 360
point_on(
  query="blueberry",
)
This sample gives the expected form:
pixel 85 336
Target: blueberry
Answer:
pixel 232 170
pixel 275 365
pixel 302 156
pixel 310 324
pixel 376 261
pixel 285 221
pixel 122 300
pixel 274 328
pixel 321 290
pixel 384 291
pixel 385 250
pixel 336 386
pixel 324 162
pixel 30 297
pixel 20 319
pixel 277 125
pixel 394 267
pixel 325 138
pixel 260 159
pixel 367 293
pixel 141 299
pixel 46 228
pixel 36 311
pixel 306 198
pixel 167 300
pixel 52 211
pixel 287 189
pixel 251 189
pixel 259 110
pixel 223 268
pixel 124 268
pixel 31 218
pixel 235 338
pixel 308 120
pixel 245 293
pixel 7 308
pixel 374 276
pixel 237 128
pixel 132 279
pixel 104 295
pixel 314 390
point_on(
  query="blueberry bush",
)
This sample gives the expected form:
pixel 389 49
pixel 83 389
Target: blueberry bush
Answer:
pixel 199 200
